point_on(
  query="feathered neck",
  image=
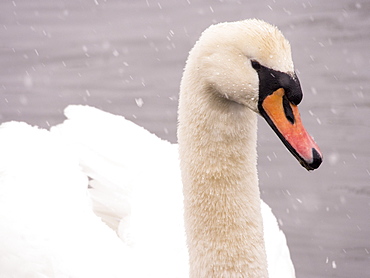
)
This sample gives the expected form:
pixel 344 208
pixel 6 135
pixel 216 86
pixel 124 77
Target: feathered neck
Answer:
pixel 217 145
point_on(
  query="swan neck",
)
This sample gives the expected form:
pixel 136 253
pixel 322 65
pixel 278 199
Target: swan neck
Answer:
pixel 217 145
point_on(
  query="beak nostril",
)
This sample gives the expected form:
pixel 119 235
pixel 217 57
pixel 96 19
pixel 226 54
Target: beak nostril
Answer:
pixel 290 119
pixel 288 110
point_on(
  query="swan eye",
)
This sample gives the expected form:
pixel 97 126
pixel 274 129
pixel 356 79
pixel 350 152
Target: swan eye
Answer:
pixel 255 65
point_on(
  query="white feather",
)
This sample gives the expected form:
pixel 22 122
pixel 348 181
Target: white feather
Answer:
pixel 48 228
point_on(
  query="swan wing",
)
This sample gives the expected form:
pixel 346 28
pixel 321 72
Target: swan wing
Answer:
pixel 278 256
pixel 47 227
pixel 135 186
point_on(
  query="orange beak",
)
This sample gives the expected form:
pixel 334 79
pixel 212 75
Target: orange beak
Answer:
pixel 284 118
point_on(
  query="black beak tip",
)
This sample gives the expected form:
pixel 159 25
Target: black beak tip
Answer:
pixel 316 161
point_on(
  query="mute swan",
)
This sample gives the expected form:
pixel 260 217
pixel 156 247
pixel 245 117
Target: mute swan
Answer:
pixel 233 71
pixel 47 226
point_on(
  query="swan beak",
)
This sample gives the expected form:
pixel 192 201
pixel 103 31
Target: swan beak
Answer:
pixel 284 118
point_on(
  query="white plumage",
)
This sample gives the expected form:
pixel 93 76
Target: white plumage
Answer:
pixel 98 196
pixel 48 227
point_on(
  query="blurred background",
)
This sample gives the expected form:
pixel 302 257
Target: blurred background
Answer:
pixel 126 57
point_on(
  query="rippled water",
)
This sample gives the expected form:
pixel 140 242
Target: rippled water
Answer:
pixel 127 57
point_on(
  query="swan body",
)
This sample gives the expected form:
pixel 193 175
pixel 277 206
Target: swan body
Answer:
pixel 53 226
pixel 46 221
pixel 98 196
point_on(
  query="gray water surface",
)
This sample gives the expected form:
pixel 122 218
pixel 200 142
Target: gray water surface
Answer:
pixel 126 57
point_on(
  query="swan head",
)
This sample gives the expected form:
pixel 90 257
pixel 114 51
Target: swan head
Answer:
pixel 250 63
